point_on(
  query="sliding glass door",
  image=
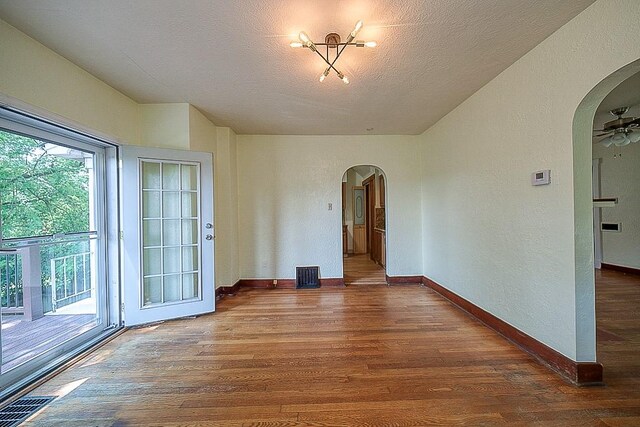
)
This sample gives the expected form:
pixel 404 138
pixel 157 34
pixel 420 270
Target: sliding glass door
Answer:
pixel 53 246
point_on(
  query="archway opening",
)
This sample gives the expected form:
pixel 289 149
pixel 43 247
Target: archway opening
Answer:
pixel 616 173
pixel 593 342
pixel 364 225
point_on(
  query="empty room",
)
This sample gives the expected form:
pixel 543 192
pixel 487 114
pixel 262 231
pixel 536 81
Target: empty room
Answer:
pixel 319 213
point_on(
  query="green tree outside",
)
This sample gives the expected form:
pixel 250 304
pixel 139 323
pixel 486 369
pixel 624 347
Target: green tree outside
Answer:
pixel 40 194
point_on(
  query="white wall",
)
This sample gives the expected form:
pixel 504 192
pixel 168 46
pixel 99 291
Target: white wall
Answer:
pixel 285 184
pixel 36 76
pixel 620 177
pixel 518 251
pixel 37 79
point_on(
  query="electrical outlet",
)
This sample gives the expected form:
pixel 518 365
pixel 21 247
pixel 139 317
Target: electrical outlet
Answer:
pixel 275 283
pixel 330 206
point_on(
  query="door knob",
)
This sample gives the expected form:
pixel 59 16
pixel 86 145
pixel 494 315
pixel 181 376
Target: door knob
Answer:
pixel 208 225
pixel 209 237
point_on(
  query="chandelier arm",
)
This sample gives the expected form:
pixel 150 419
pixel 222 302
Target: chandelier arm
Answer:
pixel 336 44
pixel 338 55
pixel 327 61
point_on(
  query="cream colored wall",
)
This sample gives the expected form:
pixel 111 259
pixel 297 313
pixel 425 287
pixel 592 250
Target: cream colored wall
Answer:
pixel 226 229
pixel 165 125
pixel 40 78
pixel 521 252
pixel 36 79
pixel 619 177
pixel 285 184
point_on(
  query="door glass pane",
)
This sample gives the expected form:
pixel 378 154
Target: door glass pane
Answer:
pixel 189 231
pixel 151 232
pixel 151 204
pixel 171 204
pixel 170 176
pixel 189 204
pixel 170 232
pixel 171 242
pixel 50 287
pixel 153 290
pixel 189 285
pixel 171 262
pixel 172 289
pixel 189 177
pixel 152 262
pixel 190 258
pixel 150 175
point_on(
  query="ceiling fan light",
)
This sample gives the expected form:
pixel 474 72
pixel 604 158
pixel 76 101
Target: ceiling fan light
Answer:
pixel 371 44
pixel 296 44
pixel 620 139
pixel 624 142
pixel 606 142
pixel 634 136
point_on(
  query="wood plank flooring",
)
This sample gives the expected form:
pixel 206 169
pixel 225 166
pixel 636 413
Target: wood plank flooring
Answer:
pixel 361 270
pixel 618 326
pixel 357 356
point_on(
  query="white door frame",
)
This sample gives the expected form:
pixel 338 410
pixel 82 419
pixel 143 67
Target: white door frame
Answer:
pixel 597 214
pixel 134 311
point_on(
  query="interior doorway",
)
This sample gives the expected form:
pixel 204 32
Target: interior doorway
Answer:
pixel 615 173
pixel 364 225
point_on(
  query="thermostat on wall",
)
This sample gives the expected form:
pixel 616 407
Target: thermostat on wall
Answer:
pixel 541 177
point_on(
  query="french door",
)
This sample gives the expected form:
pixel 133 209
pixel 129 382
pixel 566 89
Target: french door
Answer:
pixel 55 263
pixel 167 238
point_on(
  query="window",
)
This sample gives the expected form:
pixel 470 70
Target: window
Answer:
pixel 53 243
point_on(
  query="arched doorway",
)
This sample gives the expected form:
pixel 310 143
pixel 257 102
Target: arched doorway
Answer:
pixel 364 225
pixel 591 336
pixel 616 172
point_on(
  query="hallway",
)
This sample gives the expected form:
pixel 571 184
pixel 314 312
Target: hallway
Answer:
pixel 618 326
pixel 361 270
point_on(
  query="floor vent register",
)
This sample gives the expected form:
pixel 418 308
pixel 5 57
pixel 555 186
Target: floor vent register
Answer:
pixel 21 409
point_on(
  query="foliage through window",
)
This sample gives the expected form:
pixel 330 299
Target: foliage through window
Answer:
pixel 44 187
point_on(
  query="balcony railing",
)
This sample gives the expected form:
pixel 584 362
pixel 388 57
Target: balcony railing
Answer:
pixel 34 275
pixel 11 297
pixel 70 279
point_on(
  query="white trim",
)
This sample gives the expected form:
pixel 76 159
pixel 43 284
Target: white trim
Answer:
pixel 597 214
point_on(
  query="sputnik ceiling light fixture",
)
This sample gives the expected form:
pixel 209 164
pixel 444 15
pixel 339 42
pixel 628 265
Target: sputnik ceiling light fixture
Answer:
pixel 333 41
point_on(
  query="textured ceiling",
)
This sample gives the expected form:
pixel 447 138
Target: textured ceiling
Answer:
pixel 232 61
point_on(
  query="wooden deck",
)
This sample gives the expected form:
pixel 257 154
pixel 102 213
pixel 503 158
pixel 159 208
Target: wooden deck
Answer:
pixel 357 356
pixel 22 339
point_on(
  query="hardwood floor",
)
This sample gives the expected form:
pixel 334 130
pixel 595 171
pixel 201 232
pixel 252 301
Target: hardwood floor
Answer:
pixel 618 326
pixel 355 356
pixel 361 270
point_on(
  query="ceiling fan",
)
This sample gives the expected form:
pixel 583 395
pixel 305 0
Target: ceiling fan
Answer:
pixel 621 131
